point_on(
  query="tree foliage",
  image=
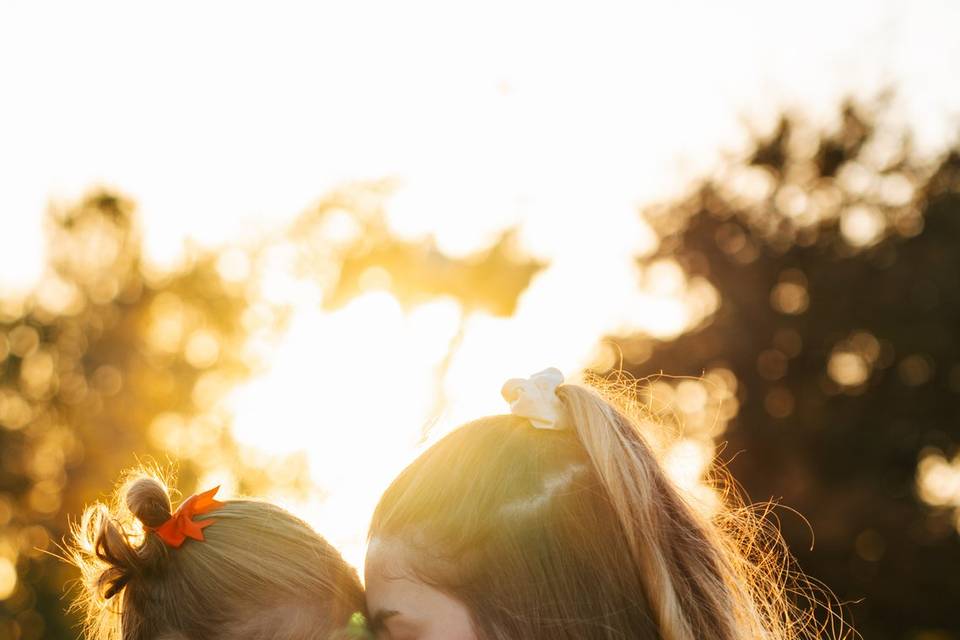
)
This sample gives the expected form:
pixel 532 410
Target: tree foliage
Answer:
pixel 836 258
pixel 99 369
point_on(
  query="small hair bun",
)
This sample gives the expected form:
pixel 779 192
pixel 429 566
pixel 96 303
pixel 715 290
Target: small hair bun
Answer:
pixel 148 501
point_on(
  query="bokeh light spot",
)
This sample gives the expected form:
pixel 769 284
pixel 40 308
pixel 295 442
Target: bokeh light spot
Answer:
pixel 789 296
pixel 915 370
pixel 8 578
pixel 938 479
pixel 779 402
pixel 203 349
pixel 167 322
pixel 24 340
pixel 848 369
pixel 862 225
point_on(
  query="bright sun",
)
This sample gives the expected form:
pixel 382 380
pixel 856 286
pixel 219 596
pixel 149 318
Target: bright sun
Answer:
pixel 361 389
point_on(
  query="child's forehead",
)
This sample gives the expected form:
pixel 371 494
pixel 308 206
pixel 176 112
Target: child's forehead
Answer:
pixel 388 557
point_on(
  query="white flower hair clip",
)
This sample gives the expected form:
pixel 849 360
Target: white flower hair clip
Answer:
pixel 536 399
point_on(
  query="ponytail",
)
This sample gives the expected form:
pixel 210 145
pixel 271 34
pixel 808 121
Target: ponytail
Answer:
pixel 560 522
pixel 110 555
pixel 664 535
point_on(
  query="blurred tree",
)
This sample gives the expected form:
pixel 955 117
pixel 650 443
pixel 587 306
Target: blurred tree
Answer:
pixel 105 362
pixel 836 258
pixel 348 247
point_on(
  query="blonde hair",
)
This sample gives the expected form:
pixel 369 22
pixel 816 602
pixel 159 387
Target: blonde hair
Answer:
pixel 581 534
pixel 259 573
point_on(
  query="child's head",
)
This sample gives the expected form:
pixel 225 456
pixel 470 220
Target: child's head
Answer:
pixel 502 530
pixel 258 572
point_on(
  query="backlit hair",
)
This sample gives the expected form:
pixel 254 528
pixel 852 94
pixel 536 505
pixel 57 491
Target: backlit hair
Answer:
pixel 259 573
pixel 580 534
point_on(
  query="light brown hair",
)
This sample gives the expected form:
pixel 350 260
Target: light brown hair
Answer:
pixel 580 534
pixel 259 573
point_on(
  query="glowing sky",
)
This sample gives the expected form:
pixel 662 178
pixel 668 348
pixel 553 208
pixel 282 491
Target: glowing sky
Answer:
pixel 216 115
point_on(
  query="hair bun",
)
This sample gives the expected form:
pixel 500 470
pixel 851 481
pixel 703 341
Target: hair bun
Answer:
pixel 148 501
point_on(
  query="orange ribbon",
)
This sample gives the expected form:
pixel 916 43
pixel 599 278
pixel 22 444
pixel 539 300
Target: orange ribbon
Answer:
pixel 181 526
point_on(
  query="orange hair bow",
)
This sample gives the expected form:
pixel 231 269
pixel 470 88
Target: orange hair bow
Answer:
pixel 181 526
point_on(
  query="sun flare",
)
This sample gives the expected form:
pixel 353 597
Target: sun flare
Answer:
pixel 361 388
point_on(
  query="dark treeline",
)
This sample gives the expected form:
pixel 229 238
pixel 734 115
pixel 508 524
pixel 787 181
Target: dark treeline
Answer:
pixel 837 262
